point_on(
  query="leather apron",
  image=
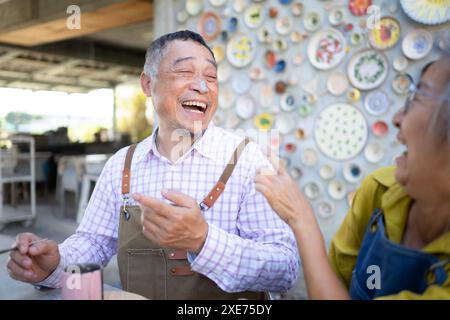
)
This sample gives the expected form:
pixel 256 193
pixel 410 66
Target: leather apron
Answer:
pixel 163 273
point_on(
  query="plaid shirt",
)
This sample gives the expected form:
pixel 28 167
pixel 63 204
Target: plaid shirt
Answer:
pixel 248 247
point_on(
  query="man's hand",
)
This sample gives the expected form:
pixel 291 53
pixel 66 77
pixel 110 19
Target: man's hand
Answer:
pixel 178 226
pixel 32 263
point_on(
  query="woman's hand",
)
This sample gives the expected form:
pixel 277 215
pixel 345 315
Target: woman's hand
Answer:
pixel 283 193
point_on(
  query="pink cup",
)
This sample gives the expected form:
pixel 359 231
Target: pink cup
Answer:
pixel 82 282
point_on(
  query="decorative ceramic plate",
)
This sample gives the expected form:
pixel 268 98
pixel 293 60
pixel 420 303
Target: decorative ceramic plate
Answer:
pixel 312 190
pixel 223 72
pixel 253 16
pixel 340 131
pixel 353 95
pixel 386 34
pixel 325 210
pixel 182 16
pixel 284 25
pixel 285 123
pixel 217 3
pixel 309 157
pixel 380 128
pixel 209 26
pixel 264 35
pixel 219 52
pixel 238 5
pixel 367 69
pixel 297 9
pixel 241 83
pixel 226 97
pixel 401 83
pixel 279 45
pixel 427 11
pixel 264 121
pixel 376 103
pixel 326 49
pixel 337 83
pixel 245 107
pixel 296 173
pixel 400 64
pixel 374 152
pixel 352 172
pixel 336 16
pixel 194 7
pixel 417 44
pixel 241 51
pixel 359 7
pixel 232 24
pixel 312 21
pixel 337 190
pixel 327 172
pixel 287 102
pixel 266 95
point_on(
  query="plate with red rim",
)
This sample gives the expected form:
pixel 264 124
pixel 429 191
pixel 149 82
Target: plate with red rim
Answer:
pixel 209 26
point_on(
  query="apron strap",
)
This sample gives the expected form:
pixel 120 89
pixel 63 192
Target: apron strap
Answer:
pixel 126 175
pixel 217 190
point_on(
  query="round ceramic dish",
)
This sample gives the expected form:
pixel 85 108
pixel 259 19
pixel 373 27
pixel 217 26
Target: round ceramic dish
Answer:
pixel 417 44
pixel 428 12
pixel 241 51
pixel 326 49
pixel 377 103
pixel 245 107
pixel 340 131
pixel 386 34
pixel 367 69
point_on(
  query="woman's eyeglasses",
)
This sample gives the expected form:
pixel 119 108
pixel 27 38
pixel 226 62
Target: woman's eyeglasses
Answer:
pixel 414 90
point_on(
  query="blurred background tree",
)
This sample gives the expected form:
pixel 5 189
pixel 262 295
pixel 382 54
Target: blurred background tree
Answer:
pixel 134 114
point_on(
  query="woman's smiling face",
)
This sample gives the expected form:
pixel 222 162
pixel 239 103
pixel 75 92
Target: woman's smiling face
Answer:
pixel 424 169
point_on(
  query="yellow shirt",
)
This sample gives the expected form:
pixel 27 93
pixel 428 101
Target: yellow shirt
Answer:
pixel 380 190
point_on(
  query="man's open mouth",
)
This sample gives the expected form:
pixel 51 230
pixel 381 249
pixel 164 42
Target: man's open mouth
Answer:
pixel 195 106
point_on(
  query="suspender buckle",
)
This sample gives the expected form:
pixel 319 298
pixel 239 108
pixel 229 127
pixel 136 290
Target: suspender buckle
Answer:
pixel 203 206
pixel 125 200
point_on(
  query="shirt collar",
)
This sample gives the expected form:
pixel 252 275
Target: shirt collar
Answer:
pixel 204 145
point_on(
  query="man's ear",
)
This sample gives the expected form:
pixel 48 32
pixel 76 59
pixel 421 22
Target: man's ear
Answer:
pixel 146 84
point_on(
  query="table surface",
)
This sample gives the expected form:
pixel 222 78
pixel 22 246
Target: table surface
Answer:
pixel 110 293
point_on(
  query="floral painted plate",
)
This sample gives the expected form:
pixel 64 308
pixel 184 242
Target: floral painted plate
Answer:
pixel 209 26
pixel 367 69
pixel 417 44
pixel 386 34
pixel 241 51
pixel 326 49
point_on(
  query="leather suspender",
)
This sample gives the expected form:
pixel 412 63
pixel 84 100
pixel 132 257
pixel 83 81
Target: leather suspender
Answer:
pixel 212 196
pixel 217 190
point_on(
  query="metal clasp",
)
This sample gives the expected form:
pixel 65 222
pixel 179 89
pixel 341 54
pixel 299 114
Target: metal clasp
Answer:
pixel 125 200
pixel 203 206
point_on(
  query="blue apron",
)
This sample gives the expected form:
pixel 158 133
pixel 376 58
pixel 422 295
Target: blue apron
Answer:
pixel 384 267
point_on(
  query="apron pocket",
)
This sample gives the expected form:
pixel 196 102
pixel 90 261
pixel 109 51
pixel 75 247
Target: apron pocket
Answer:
pixel 147 273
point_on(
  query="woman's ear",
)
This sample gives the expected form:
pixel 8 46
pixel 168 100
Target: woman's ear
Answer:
pixel 146 84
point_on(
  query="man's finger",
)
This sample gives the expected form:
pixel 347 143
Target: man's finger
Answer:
pixel 41 248
pixel 23 260
pixel 152 203
pixel 178 198
pixel 18 273
pixel 23 241
pixel 264 190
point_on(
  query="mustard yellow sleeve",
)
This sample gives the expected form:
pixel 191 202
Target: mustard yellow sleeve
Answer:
pixel 433 292
pixel 344 247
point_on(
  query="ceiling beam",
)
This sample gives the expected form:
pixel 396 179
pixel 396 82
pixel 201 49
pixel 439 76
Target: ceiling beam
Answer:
pixel 38 29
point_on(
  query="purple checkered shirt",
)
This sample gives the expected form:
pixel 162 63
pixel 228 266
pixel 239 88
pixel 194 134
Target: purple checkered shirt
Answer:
pixel 248 247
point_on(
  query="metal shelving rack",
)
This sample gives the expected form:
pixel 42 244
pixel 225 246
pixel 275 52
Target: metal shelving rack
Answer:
pixel 14 213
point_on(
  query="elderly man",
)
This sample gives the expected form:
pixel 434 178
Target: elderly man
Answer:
pixel 181 212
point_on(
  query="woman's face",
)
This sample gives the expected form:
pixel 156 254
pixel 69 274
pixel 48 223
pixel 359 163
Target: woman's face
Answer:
pixel 424 169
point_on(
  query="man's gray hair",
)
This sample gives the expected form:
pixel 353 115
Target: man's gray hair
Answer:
pixel 157 49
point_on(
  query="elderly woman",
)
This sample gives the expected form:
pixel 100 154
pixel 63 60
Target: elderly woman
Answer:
pixel 395 241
